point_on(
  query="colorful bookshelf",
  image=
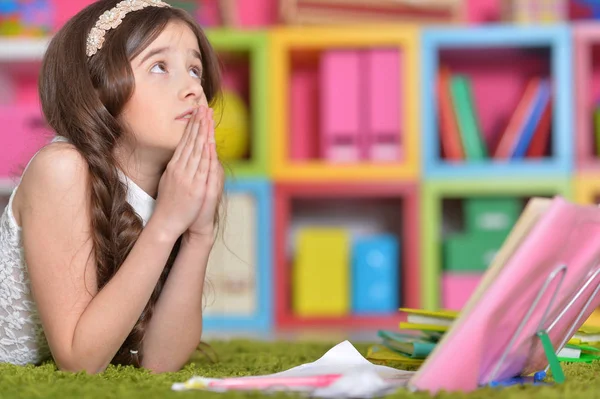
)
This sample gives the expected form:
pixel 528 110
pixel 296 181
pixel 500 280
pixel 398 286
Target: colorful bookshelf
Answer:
pixel 587 188
pixel 486 57
pixel 350 206
pixel 247 279
pixel 23 129
pixel 433 219
pixel 586 37
pixel 314 140
pixel 244 55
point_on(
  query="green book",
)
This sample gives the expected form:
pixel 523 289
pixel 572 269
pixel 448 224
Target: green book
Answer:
pixel 417 347
pixel 464 107
pixel 471 252
pixel 485 214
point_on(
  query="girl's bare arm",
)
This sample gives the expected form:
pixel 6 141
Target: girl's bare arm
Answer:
pixel 84 328
pixel 175 328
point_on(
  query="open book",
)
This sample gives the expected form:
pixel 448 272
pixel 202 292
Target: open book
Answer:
pixel 552 238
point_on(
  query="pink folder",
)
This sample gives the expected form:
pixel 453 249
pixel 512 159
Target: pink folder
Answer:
pixel 384 105
pixel 341 105
pixel 549 233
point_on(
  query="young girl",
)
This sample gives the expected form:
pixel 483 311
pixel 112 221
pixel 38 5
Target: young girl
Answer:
pixel 104 243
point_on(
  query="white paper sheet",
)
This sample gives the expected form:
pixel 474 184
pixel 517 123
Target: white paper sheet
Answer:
pixel 360 378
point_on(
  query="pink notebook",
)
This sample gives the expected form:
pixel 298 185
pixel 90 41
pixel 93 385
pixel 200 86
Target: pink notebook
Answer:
pixel 549 233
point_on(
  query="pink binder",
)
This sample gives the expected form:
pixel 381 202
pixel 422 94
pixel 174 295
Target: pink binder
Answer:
pixel 542 279
pixel 384 109
pixel 341 105
pixel 457 289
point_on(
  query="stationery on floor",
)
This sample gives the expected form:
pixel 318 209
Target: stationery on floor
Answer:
pixel 538 291
pixel 579 353
pixel 340 373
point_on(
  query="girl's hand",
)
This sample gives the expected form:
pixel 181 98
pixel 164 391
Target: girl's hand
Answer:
pixel 182 187
pixel 203 227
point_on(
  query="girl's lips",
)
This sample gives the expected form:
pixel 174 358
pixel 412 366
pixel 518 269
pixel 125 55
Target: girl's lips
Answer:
pixel 185 115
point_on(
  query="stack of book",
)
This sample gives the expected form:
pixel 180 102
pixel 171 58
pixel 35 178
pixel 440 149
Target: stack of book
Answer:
pixel 416 339
pixel 422 330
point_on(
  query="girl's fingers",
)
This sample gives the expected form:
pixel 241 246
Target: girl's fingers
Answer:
pixel 199 143
pixel 188 146
pixel 200 140
pixel 215 183
pixel 211 139
pixel 184 137
pixel 204 166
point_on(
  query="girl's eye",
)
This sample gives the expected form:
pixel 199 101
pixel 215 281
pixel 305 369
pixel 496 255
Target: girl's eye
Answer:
pixel 197 72
pixel 158 68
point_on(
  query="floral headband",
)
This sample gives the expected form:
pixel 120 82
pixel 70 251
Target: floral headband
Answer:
pixel 113 18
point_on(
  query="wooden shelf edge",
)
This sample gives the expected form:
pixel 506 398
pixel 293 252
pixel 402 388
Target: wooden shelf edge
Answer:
pixel 23 49
pixel 6 186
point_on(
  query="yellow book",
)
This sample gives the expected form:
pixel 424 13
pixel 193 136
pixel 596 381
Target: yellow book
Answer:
pixel 587 334
pixel 589 330
pixel 381 353
pixel 594 319
pixel 438 317
pixel 321 274
pixel 423 327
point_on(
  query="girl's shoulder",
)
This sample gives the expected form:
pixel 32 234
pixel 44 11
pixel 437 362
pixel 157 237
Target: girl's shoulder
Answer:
pixel 58 169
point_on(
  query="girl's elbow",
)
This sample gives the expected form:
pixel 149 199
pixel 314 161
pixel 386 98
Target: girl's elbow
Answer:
pixel 74 365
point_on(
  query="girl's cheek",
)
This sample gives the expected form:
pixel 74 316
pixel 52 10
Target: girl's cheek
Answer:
pixel 203 100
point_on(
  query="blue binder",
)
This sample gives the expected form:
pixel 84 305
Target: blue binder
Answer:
pixel 375 274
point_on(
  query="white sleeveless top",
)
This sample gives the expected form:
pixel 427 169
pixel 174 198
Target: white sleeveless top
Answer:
pixel 22 339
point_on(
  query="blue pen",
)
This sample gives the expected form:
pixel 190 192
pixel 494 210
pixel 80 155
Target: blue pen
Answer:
pixel 511 381
pixel 536 379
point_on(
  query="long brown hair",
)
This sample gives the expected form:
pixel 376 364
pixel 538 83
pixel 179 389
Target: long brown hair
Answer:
pixel 82 99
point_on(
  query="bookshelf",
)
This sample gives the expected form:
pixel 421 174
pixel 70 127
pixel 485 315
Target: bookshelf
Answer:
pixel 239 294
pixel 276 72
pixel 6 186
pixel 586 42
pixel 339 204
pixel 298 103
pixel 22 49
pixel 432 219
pixel 244 55
pixel 586 188
pixel 487 56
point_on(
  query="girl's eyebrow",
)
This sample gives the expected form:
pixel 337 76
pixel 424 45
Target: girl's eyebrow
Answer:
pixel 161 50
pixel 154 52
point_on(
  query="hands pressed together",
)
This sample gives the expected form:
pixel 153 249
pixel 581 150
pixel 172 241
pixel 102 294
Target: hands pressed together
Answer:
pixel 190 188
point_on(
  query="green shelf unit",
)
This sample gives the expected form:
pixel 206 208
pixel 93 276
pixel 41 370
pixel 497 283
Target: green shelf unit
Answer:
pixel 435 191
pixel 256 44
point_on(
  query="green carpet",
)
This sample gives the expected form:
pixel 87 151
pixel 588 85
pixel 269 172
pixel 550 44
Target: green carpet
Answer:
pixel 237 358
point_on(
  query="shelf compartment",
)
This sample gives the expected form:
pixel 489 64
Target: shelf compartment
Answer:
pixel 586 37
pixel 339 204
pixel 486 58
pixel 435 224
pixel 305 128
pixel 244 55
pixel 241 262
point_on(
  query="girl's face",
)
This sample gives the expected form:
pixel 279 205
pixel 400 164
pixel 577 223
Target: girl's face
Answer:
pixel 168 87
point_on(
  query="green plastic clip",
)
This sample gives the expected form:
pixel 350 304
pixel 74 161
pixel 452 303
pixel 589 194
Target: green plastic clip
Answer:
pixel 557 371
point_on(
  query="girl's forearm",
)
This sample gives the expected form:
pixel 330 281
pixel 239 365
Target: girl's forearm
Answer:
pixel 112 313
pixel 175 328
